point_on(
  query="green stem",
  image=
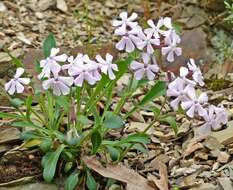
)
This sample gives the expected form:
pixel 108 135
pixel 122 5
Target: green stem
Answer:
pixel 123 99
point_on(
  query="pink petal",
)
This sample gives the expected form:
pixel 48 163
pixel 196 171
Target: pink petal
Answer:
pixel 19 87
pixel 121 44
pixel 19 72
pixel 54 51
pixel 139 74
pixel 136 65
pixel 24 80
pixel 79 80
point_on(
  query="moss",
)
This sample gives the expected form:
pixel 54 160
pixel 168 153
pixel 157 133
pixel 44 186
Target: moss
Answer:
pixel 217 84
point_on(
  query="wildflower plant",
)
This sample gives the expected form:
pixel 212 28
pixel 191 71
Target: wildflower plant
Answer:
pixel 67 122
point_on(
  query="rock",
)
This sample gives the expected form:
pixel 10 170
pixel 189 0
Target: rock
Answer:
pixel 205 186
pixel 194 45
pixel 225 183
pixel 3 8
pixel 23 38
pixel 223 157
pixel 39 15
pixel 225 136
pixel 212 143
pixel 61 5
pixel 8 135
pixel 44 4
pixel 32 186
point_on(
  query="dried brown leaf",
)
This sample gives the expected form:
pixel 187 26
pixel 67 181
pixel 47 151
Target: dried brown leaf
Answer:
pixel 161 183
pixel 119 172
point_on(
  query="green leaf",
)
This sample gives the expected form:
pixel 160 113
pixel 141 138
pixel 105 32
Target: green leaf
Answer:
pixel 28 106
pixel 72 181
pixel 96 140
pixel 29 134
pixel 46 145
pixel 15 60
pixel 63 102
pixel 91 184
pixel 171 121
pixel 136 138
pixel 16 102
pixel 10 115
pixel 114 153
pixel 156 91
pixel 50 164
pixel 140 148
pixel 48 44
pixel 113 121
pixel 28 124
pixel 68 166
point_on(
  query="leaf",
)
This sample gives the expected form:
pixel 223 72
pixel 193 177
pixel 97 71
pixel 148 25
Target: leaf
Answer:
pixel 171 121
pixel 119 172
pixel 91 184
pixel 48 44
pixel 96 140
pixel 50 164
pixel 28 106
pixel 114 153
pixel 113 121
pixel 28 124
pixel 63 102
pixel 72 181
pixel 46 145
pixel 161 183
pixel 137 138
pixel 15 60
pixel 16 102
pixel 32 143
pixel 10 115
pixel 157 90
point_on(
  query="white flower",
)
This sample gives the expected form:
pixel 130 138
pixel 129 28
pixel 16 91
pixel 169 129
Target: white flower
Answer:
pixel 16 84
pixel 171 51
pixel 85 71
pixel 60 85
pixel 214 118
pixel 126 43
pixel 179 89
pixel 197 74
pixel 50 64
pixel 125 21
pixel 194 104
pixel 184 73
pixel 73 62
pixel 106 66
pixel 171 36
pixel 145 68
pixel 147 41
pixel 155 30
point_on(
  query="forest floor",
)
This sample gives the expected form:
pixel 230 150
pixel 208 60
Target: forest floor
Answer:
pixel 180 160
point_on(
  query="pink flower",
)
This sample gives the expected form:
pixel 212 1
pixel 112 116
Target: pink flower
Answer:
pixel 147 41
pixel 155 30
pixel 60 85
pixel 171 36
pixel 73 62
pixel 85 71
pixel 197 74
pixel 179 89
pixel 145 68
pixel 171 50
pixel 16 84
pixel 214 118
pixel 183 73
pixel 50 65
pixel 194 104
pixel 106 66
pixel 125 21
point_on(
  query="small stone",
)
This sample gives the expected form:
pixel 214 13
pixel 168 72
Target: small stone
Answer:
pixel 223 157
pixel 61 5
pixel 23 38
pixel 3 8
pixel 39 15
pixel 44 4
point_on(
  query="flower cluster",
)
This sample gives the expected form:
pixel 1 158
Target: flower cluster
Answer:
pixel 60 78
pixel 183 91
pixel 158 36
